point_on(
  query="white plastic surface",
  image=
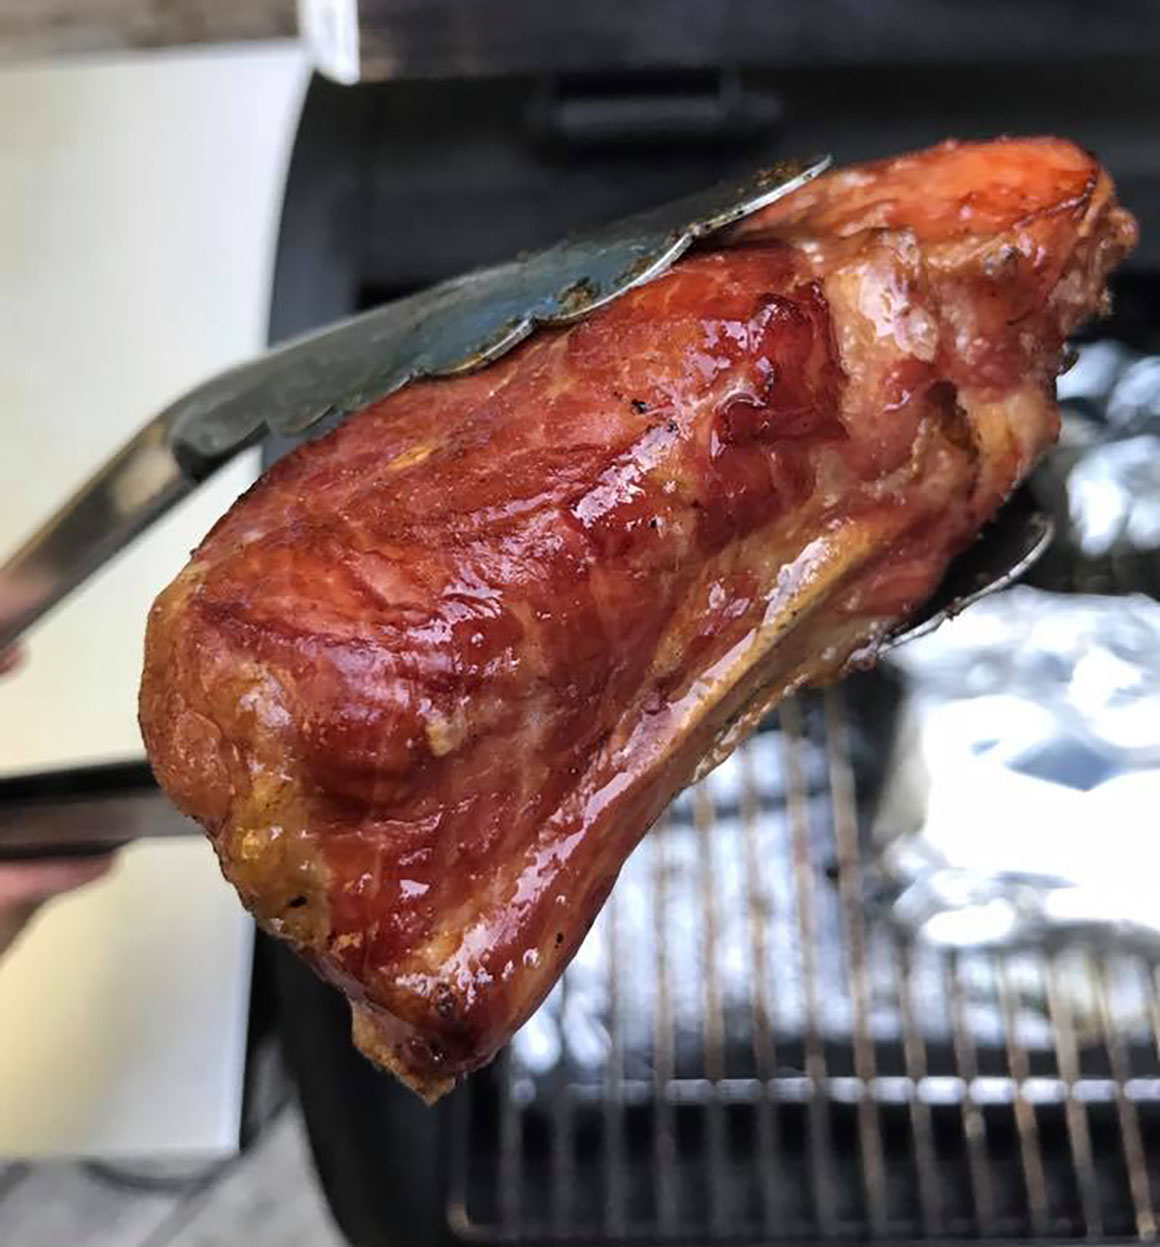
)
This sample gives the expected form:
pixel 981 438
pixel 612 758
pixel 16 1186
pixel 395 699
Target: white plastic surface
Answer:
pixel 138 218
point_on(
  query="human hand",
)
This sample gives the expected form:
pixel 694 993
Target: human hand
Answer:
pixel 25 886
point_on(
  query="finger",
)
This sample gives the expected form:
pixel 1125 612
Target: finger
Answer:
pixel 10 659
pixel 13 919
pixel 29 883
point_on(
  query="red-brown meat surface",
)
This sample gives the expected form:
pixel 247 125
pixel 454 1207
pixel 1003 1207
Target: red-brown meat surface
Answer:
pixel 429 682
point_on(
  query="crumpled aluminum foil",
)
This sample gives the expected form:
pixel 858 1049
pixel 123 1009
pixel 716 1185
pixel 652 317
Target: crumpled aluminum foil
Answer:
pixel 1102 482
pixel 1024 791
pixel 1022 800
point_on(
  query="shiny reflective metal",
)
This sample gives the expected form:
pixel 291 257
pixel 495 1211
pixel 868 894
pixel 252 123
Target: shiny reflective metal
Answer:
pixel 79 811
pixel 321 378
pixel 1011 544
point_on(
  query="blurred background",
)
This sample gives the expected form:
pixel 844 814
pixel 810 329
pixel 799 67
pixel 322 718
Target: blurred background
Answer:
pixel 890 974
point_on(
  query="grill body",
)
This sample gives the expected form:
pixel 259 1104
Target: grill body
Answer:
pixel 744 1050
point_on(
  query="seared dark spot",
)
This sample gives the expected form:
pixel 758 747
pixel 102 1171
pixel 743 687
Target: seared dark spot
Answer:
pixel 425 1052
pixel 952 418
pixel 639 405
pixel 559 938
pixel 296 902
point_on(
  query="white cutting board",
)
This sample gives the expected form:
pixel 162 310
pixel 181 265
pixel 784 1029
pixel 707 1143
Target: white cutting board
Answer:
pixel 138 217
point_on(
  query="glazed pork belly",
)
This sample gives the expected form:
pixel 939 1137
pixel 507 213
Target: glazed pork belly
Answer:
pixel 430 681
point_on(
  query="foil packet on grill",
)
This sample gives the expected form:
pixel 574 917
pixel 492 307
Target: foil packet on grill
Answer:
pixel 1019 804
pixel 1102 482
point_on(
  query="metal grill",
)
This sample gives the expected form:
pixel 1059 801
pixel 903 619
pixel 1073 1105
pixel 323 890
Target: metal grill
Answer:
pixel 744 1049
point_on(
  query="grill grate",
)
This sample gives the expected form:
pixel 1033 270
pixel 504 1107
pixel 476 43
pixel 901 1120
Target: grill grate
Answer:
pixel 744 1051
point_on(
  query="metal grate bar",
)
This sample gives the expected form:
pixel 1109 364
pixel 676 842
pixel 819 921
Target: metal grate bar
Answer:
pixel 845 823
pixel 664 1130
pixel 713 1030
pixel 563 1183
pixel 921 1125
pixel 1130 1137
pixel 613 1138
pixel 974 1128
pixel 1026 1122
pixel 1078 1129
pixel 892 1093
pixel 797 804
pixel 511 1186
pixel 1152 992
pixel 764 1047
pixel 458 1209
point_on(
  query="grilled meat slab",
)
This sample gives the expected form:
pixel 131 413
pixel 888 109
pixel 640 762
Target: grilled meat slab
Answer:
pixel 430 681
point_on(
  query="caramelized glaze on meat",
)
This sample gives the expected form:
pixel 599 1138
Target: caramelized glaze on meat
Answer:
pixel 429 682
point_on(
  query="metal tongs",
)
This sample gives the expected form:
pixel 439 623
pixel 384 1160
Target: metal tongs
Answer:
pixel 313 383
pixel 317 380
